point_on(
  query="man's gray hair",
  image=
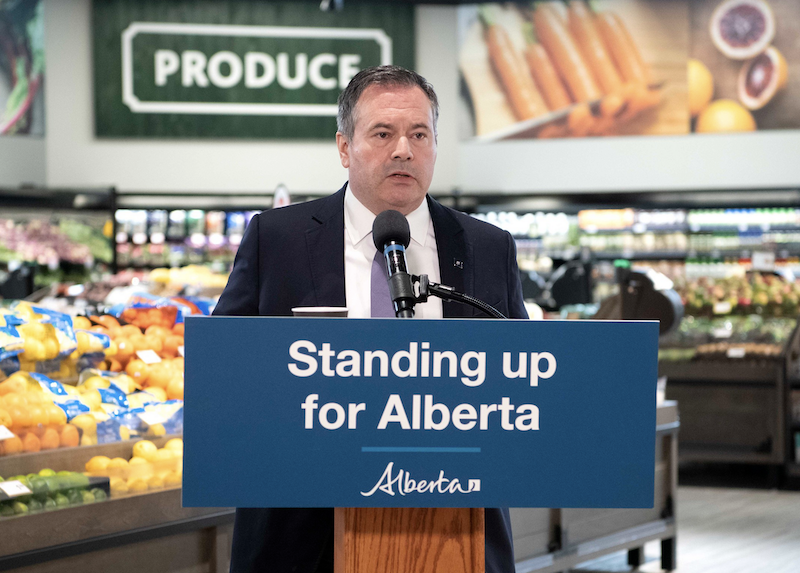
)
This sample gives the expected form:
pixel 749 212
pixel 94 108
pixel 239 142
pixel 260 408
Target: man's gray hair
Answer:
pixel 393 76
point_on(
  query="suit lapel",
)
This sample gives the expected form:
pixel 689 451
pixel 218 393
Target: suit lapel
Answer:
pixel 455 257
pixel 325 243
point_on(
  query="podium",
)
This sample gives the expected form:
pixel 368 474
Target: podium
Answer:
pixel 408 426
pixel 399 540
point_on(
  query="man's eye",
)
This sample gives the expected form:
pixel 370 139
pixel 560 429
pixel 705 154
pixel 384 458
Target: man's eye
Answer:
pixel 382 134
pixel 419 136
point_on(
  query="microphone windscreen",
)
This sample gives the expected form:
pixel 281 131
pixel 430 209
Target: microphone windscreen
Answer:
pixel 390 226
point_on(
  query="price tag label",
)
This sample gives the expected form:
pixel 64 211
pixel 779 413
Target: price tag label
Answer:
pixel 151 418
pixel 180 350
pixel 5 433
pixel 14 488
pixel 722 333
pixel 723 307
pixel 148 356
pixel 737 352
pixel 763 261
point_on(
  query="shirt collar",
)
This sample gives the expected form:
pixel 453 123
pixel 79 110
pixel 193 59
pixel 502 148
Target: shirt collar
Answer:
pixel 358 220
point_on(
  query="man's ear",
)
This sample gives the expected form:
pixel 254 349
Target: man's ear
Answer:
pixel 344 149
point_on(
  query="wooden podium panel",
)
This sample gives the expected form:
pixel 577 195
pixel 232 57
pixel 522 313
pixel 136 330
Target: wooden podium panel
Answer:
pixel 409 540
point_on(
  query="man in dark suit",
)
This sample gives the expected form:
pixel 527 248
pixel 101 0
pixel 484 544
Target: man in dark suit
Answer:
pixel 320 253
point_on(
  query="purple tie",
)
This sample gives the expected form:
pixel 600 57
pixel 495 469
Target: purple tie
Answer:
pixel 380 301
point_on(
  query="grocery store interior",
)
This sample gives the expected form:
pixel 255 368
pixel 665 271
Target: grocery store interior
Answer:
pixel 665 187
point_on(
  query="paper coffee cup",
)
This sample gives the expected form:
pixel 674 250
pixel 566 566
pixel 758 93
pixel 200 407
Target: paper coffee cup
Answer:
pixel 340 311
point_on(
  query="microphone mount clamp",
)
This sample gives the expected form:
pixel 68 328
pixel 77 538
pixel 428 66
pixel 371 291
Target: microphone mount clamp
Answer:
pixel 449 294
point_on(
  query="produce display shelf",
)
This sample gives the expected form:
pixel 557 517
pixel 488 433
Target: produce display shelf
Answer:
pixel 34 539
pixel 723 454
pixel 793 469
pixel 148 528
pixel 558 539
pixel 732 370
pixel 70 459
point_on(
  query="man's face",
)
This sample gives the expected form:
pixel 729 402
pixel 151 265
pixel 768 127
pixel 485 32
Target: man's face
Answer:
pixel 393 150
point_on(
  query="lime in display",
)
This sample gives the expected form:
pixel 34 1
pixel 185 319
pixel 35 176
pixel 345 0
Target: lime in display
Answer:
pixel 50 504
pixel 20 508
pixel 47 472
pixel 61 500
pixel 75 497
pixel 6 510
pixel 39 486
pixel 87 496
pixel 99 494
pixel 64 473
pixel 35 506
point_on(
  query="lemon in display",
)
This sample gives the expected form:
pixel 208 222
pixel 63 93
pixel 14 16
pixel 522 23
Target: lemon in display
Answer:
pixel 95 382
pixel 173 479
pixel 33 350
pixel 174 444
pixel 97 464
pixel 118 464
pixel 155 482
pixel 136 485
pixel 118 486
pixel 158 393
pixel 144 449
pixel 156 430
pixel 91 397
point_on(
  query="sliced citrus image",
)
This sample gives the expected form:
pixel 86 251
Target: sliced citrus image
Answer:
pixel 762 77
pixel 742 29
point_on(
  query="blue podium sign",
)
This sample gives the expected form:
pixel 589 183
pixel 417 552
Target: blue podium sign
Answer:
pixel 327 412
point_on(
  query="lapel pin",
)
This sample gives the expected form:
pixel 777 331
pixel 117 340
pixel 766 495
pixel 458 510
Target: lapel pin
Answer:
pixel 458 264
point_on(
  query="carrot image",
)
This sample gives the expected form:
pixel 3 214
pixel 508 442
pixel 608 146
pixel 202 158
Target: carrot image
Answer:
pixel 544 73
pixel 580 120
pixel 611 106
pixel 622 48
pixel 523 96
pixel 582 27
pixel 557 7
pixel 552 131
pixel 566 56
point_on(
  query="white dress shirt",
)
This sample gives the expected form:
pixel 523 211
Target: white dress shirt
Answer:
pixel 422 256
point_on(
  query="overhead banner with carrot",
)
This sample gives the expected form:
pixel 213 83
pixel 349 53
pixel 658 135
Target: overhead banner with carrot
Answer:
pixel 579 68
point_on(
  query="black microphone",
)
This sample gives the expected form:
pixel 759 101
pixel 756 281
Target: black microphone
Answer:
pixel 391 235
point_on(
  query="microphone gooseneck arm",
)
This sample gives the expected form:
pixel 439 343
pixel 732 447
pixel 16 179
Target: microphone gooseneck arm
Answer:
pixel 449 294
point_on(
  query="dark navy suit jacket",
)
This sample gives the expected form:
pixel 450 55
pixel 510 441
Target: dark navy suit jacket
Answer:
pixel 294 256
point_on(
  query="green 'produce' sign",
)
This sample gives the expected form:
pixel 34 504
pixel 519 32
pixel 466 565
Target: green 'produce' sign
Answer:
pixel 180 68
